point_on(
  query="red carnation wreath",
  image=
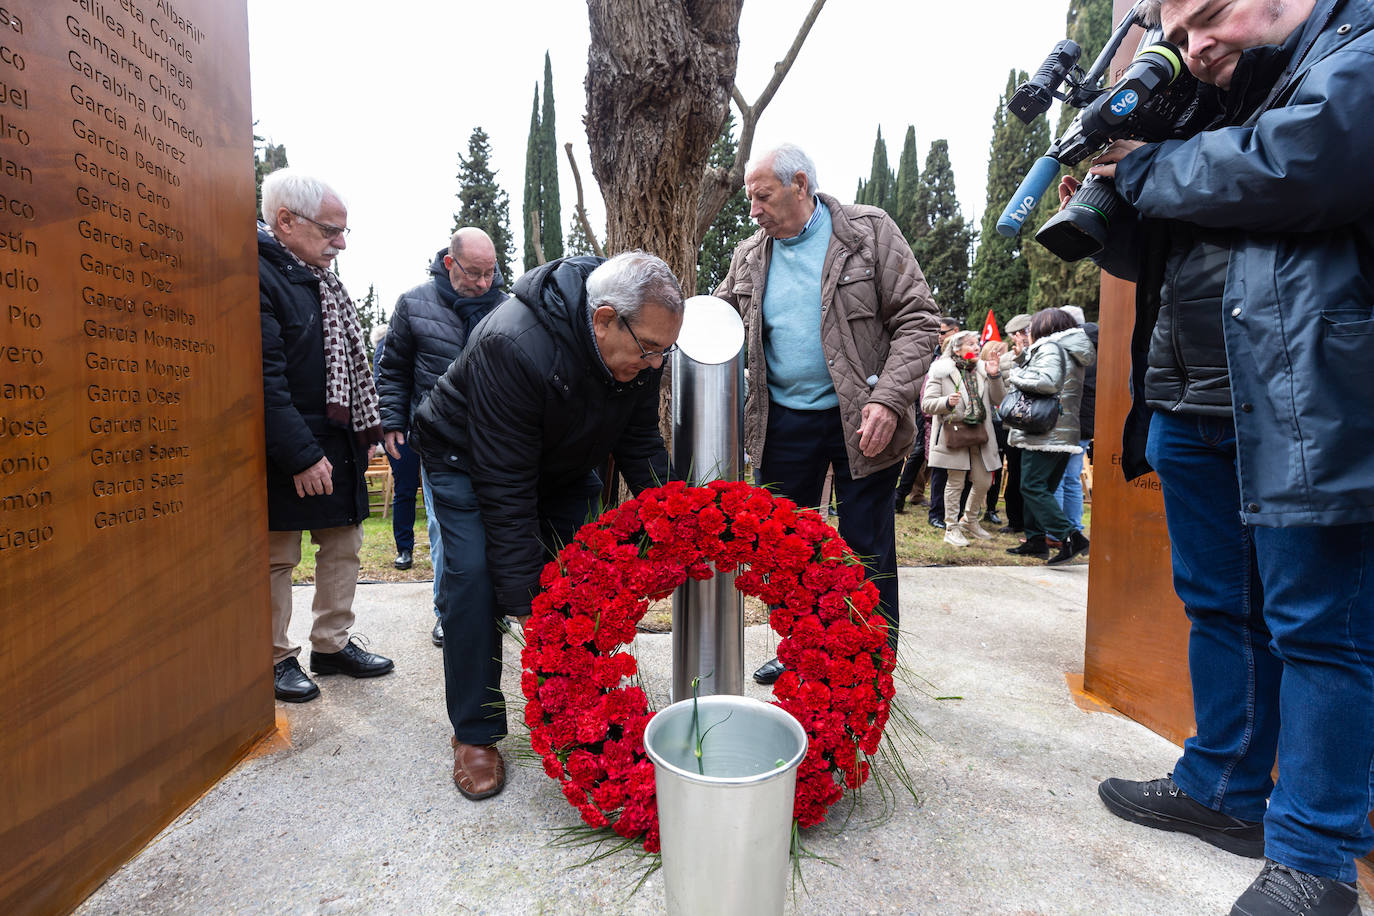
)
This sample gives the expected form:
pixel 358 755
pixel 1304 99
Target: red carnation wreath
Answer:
pixel 586 713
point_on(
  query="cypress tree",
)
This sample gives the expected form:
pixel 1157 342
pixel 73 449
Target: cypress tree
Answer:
pixel 1055 282
pixel 907 209
pixel 731 225
pixel 550 204
pixel 484 203
pixel 1001 280
pixel 878 190
pixel 942 249
pixel 530 212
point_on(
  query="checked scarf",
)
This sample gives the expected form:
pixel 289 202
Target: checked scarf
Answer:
pixel 350 394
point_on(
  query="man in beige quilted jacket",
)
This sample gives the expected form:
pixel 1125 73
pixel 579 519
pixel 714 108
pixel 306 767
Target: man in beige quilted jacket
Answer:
pixel 841 328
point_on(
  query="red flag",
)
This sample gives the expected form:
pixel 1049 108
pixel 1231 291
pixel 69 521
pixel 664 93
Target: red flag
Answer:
pixel 990 331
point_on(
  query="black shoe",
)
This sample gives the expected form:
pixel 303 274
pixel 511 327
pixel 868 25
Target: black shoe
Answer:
pixel 293 685
pixel 899 506
pixel 1161 804
pixel 992 518
pixel 769 672
pixel 352 660
pixel 1283 891
pixel 404 560
pixel 436 635
pixel 937 523
pixel 1033 547
pixel 1010 529
pixel 1069 548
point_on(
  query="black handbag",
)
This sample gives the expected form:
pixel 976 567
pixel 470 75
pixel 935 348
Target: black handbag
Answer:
pixel 1031 413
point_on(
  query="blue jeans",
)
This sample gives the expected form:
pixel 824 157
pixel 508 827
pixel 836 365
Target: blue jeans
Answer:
pixel 800 447
pixel 436 542
pixel 1069 493
pixel 405 474
pixel 1281 656
pixel 467 603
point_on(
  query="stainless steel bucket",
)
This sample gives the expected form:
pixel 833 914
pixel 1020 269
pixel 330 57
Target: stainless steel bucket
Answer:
pixel 725 820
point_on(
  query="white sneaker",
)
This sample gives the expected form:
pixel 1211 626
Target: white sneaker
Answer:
pixel 955 536
pixel 975 529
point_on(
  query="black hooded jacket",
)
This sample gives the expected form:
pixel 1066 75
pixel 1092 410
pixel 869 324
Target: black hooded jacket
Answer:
pixel 429 327
pixel 530 409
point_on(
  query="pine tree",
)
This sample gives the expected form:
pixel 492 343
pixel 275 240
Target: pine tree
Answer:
pixel 1055 282
pixel 907 207
pixel 550 205
pixel 1001 280
pixel 267 158
pixel 942 248
pixel 530 213
pixel 730 227
pixel 370 314
pixel 577 241
pixel 484 203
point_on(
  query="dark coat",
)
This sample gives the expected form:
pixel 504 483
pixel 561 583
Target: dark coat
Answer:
pixel 428 328
pixel 1293 185
pixel 529 409
pixel 298 435
pixel 1087 411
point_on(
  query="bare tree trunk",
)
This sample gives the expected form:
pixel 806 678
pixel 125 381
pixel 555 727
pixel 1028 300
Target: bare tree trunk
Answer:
pixel 659 76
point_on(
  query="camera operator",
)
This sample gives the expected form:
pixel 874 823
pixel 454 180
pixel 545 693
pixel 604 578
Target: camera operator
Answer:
pixel 1251 382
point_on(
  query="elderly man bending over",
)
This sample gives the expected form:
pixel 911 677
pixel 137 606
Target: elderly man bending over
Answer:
pixel 553 381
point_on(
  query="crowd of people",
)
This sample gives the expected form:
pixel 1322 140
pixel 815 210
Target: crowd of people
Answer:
pixel 1250 240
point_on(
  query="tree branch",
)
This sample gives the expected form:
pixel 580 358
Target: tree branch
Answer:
pixel 538 241
pixel 582 210
pixel 719 184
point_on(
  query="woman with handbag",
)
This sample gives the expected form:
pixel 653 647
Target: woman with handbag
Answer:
pixel 1042 410
pixel 960 392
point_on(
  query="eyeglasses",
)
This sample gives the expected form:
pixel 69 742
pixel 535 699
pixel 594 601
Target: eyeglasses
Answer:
pixel 328 230
pixel 487 274
pixel 648 355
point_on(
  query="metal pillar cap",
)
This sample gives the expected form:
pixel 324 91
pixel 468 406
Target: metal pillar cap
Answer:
pixel 712 332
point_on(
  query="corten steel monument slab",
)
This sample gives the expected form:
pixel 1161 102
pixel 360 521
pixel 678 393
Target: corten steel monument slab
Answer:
pixel 1136 655
pixel 134 644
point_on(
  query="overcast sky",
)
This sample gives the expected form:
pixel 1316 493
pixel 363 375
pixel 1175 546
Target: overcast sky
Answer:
pixel 379 99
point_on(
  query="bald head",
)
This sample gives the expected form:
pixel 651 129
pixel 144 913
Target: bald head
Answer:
pixel 471 261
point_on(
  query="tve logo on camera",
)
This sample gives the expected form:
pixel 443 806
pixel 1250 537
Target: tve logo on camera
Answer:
pixel 1124 102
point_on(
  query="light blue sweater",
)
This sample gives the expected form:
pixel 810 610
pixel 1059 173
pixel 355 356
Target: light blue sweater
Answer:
pixel 797 374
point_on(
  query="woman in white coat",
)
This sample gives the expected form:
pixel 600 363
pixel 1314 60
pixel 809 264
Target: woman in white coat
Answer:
pixel 960 395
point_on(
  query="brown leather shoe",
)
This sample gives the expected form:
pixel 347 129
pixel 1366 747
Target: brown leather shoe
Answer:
pixel 478 770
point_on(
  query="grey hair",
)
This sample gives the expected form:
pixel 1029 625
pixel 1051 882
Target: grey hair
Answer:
pixel 788 160
pixel 378 333
pixel 295 191
pixel 1148 10
pixel 630 279
pixel 1076 314
pixel 955 338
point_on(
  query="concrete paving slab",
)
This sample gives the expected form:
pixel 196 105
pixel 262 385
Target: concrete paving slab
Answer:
pixel 358 815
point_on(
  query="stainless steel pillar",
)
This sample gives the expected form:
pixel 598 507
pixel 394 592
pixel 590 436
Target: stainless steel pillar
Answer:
pixel 708 444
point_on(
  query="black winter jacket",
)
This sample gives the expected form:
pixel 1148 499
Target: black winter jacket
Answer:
pixel 1087 411
pixel 428 328
pixel 298 435
pixel 529 408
